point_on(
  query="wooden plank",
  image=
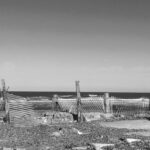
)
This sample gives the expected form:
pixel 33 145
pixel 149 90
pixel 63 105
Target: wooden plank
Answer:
pixel 23 111
pixel 20 116
pixel 20 103
pixel 21 106
pixel 20 109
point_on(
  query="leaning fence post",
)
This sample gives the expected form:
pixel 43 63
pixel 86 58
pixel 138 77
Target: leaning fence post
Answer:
pixel 107 103
pixel 78 101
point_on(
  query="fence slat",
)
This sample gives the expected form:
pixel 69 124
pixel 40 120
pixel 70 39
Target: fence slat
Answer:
pixel 19 108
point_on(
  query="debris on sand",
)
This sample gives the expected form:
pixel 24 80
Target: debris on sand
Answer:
pixel 5 148
pixel 93 146
pixel 78 132
pixel 69 136
pixel 130 140
pixel 99 146
pixel 58 133
pixel 97 116
pixel 67 131
pixel 80 148
pixel 123 139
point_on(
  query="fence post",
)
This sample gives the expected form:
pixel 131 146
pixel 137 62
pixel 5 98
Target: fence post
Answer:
pixel 78 101
pixel 4 94
pixel 107 103
pixel 54 102
pixel 149 104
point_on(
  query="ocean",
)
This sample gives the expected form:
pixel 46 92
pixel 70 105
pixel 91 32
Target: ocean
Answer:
pixel 50 94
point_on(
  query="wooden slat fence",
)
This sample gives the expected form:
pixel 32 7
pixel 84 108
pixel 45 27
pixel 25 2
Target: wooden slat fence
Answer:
pixel 20 111
pixel 129 106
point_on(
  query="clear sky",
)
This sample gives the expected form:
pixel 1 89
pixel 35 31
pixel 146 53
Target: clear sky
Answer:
pixel 48 44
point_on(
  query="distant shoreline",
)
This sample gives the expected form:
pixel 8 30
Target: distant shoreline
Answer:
pixel 83 94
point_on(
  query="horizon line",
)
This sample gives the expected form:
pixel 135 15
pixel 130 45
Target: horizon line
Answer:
pixel 80 91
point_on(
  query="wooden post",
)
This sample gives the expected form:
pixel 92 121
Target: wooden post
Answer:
pixel 107 103
pixel 4 94
pixel 1 94
pixel 1 100
pixel 78 101
pixel 149 104
pixel 55 103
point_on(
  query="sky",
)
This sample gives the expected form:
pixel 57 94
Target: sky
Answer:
pixel 46 45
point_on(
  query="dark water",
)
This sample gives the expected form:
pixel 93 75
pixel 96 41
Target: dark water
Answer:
pixel 83 94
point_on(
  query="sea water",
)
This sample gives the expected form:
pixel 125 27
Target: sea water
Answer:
pixel 83 94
